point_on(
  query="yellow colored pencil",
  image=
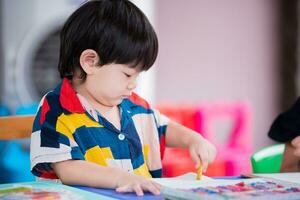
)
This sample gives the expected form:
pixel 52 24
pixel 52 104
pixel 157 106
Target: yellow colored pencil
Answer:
pixel 199 172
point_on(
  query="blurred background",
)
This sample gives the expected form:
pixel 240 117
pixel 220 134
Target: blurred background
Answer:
pixel 225 69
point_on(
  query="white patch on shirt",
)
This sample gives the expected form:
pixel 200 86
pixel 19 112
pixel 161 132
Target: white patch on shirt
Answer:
pixel 161 119
pixel 124 164
pixel 148 133
pixel 40 154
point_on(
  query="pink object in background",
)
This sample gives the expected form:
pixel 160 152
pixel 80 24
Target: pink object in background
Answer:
pixel 238 146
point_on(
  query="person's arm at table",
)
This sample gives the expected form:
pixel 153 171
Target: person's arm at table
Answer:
pixel 296 144
pixel 291 156
pixel 79 172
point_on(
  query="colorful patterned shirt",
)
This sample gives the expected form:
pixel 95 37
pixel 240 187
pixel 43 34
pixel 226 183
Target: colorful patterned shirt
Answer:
pixel 67 127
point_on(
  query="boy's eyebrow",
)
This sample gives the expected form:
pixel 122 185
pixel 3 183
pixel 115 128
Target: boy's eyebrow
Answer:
pixel 134 68
pixel 131 72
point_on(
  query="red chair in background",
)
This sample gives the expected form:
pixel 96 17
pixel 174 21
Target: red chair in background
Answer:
pixel 176 160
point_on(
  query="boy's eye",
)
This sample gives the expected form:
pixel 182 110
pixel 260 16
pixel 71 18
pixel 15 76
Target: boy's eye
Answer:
pixel 127 75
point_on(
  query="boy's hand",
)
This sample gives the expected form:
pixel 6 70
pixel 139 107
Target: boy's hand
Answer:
pixel 202 149
pixel 134 183
pixel 296 143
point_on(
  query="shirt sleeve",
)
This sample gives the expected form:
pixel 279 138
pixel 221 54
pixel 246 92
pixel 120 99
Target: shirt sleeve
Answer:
pixel 49 145
pixel 161 122
pixel 161 125
pixel 286 126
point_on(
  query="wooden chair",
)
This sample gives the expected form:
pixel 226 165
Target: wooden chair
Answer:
pixel 16 127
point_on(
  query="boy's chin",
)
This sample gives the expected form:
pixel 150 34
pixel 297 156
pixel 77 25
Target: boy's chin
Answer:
pixel 115 102
pixel 111 102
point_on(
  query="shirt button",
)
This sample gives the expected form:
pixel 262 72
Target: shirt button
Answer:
pixel 121 136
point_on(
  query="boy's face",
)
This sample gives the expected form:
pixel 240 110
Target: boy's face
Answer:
pixel 111 83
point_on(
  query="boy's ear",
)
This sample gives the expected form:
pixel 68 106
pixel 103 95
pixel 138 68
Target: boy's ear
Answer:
pixel 89 59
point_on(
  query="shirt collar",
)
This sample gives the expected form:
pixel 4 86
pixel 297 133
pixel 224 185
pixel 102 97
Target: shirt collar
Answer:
pixel 74 103
pixel 68 98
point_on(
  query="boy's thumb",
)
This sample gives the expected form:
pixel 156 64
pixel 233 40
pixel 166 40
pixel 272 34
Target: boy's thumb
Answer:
pixel 195 157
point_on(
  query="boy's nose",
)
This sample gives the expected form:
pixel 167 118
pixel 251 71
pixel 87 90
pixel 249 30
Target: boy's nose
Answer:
pixel 132 85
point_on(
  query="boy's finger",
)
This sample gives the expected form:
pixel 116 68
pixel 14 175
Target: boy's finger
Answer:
pixel 151 187
pixel 138 190
pixel 204 166
pixel 197 164
pixel 157 185
pixel 124 188
pixel 212 155
pixel 195 157
pixel 205 160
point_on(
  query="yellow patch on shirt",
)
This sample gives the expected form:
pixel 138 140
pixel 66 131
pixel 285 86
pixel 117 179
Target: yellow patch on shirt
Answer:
pixel 67 124
pixel 143 171
pixel 98 155
pixel 146 152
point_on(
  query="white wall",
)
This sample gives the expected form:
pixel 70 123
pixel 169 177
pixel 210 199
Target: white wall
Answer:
pixel 220 50
pixel 147 81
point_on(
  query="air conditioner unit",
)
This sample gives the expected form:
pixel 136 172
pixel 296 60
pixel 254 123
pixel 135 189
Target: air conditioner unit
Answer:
pixel 30 40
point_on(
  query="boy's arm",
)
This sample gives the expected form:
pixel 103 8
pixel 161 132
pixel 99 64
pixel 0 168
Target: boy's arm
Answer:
pixel 79 172
pixel 200 149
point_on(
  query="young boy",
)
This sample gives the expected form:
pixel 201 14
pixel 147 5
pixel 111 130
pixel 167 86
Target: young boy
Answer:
pixel 92 129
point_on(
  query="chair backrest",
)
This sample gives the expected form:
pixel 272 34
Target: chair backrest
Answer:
pixel 268 159
pixel 16 127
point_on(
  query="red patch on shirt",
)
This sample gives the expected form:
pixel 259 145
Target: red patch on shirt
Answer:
pixel 68 98
pixel 49 175
pixel 139 100
pixel 44 110
pixel 162 146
